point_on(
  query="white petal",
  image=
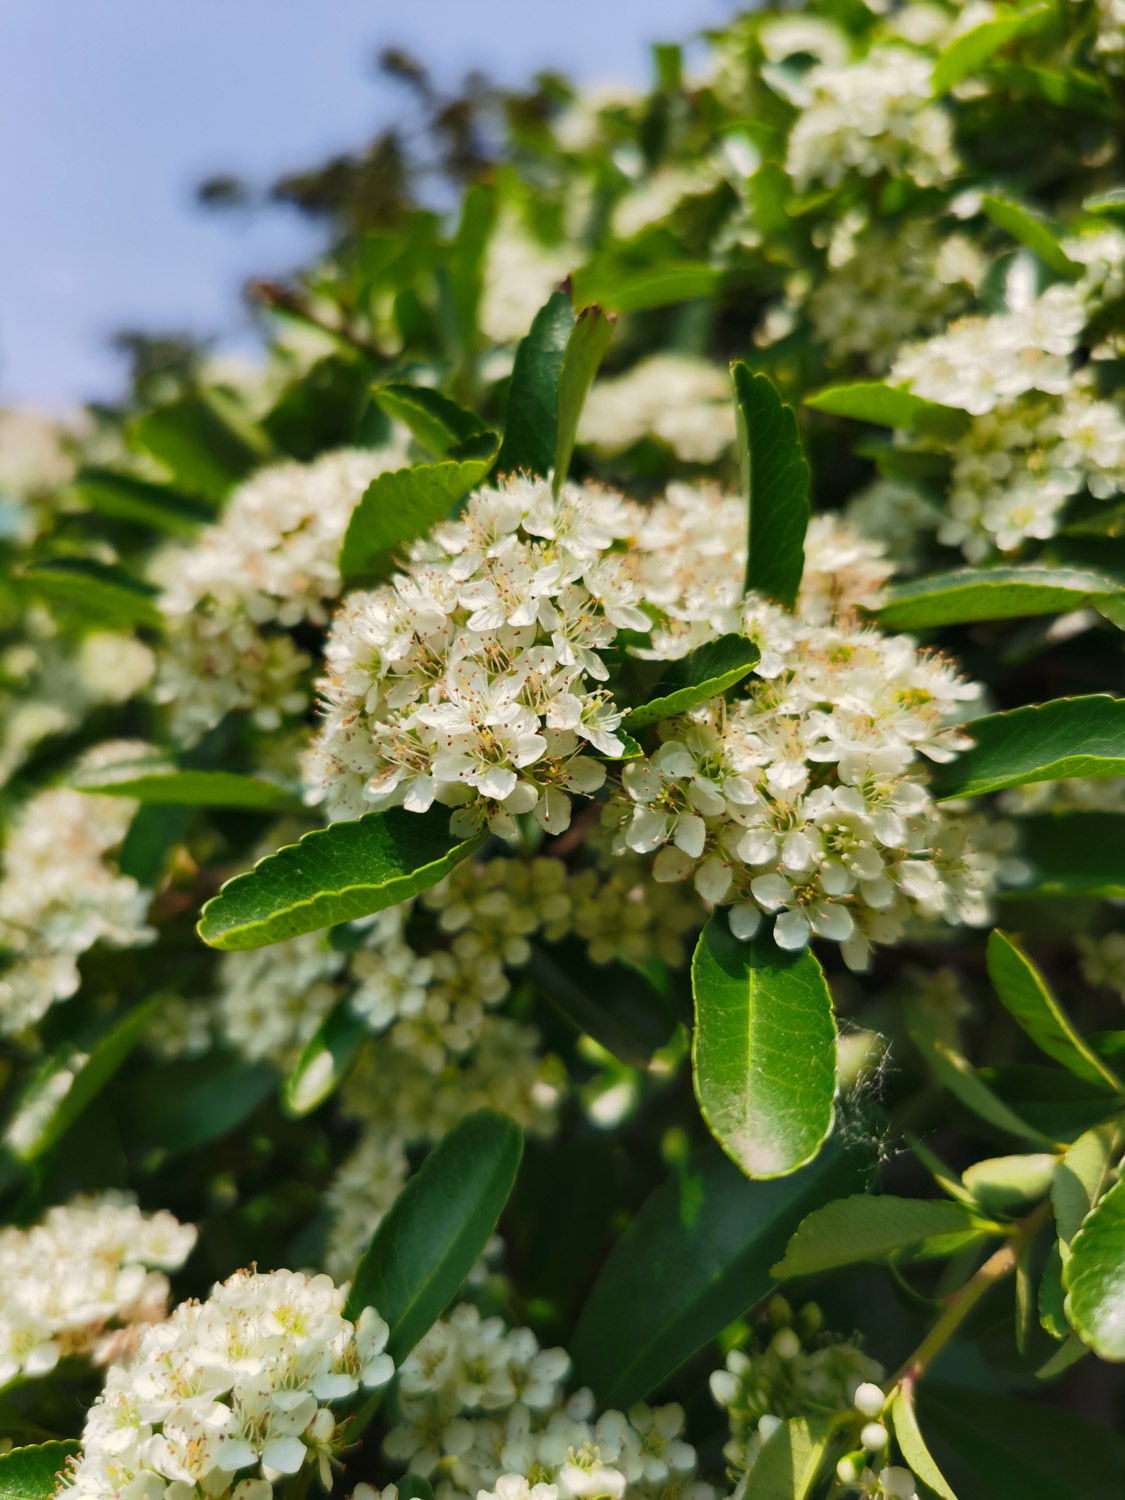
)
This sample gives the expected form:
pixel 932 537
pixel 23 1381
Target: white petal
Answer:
pixel 744 921
pixel 791 930
pixel 690 834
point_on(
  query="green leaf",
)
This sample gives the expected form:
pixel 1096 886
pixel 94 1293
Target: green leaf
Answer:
pixel 181 1105
pixel 1074 854
pixel 916 1455
pixel 708 672
pixel 1001 1183
pixel 613 1003
pixel 1041 742
pixel 1032 230
pixel 427 1244
pixel 153 834
pixel 205 442
pixel 1025 995
pixel 532 422
pixel 171 788
pixel 322 409
pixel 1065 88
pixel 764 1050
pixel 1094 1276
pixel 68 1081
pixel 414 1487
pixel 696 1257
pixel 585 350
pixel 1052 1297
pixel 871 1228
pixel 966 53
pixel 333 875
pixel 125 497
pixel 1111 204
pixel 400 505
pixel 325 1062
pixel 790 1459
pixel 658 286
pixel 988 594
pixel 479 210
pixel 33 1473
pixel 1081 1177
pixel 954 1070
pixel 890 406
pixel 437 422
pixel 775 481
pixel 101 590
pixel 1012 1448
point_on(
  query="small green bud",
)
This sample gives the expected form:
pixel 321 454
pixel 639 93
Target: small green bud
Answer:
pixel 779 1313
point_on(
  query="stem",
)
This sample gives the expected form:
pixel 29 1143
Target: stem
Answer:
pixel 271 294
pixel 1000 1263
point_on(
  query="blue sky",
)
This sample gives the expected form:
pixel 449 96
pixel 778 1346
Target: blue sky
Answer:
pixel 111 111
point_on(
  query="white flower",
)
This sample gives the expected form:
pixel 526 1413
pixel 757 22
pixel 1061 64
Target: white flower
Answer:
pixel 239 1381
pixel 85 1280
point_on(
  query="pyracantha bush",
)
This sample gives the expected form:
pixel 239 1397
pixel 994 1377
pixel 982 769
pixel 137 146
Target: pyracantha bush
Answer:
pixel 562 831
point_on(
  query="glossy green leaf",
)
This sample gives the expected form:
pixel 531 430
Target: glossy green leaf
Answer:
pixel 401 505
pixel 695 1257
pixel 912 1444
pixel 171 788
pixel 953 1069
pixel 871 1228
pixel 790 1460
pixel 68 1081
pixel 205 442
pixel 764 1049
pixel 1074 854
pixel 988 594
pixel 1081 1177
pixel 658 286
pixel 890 406
pixel 333 875
pixel 437 422
pixel 612 1003
pixel 427 1244
pixel 1002 1183
pixel 126 497
pixel 33 1473
pixel 1025 994
pixel 1031 230
pixel 1014 1448
pixel 1041 742
pixel 707 672
pixel 532 421
pixel 775 481
pixel 102 590
pixel 1094 1276
pixel 965 54
pixel 325 1061
pixel 585 350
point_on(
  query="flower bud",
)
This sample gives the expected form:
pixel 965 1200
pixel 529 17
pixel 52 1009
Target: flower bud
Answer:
pixel 869 1399
pixel 874 1436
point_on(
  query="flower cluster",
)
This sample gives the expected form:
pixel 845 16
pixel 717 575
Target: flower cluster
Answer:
pixel 871 116
pixel 799 1372
pixel 883 288
pixel 270 561
pixel 474 678
pixel 482 1411
pixel 59 895
pixel 1036 434
pixel 241 1384
pixel 85 1280
pixel 681 401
